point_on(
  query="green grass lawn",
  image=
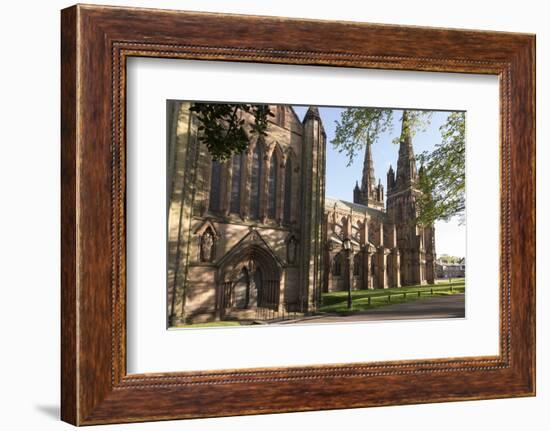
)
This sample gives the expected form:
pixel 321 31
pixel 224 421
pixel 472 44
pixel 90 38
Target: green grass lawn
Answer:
pixel 336 302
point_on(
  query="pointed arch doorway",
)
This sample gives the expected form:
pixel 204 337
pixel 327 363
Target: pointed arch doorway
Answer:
pixel 249 281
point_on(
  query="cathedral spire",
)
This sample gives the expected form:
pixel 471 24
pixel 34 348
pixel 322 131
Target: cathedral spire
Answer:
pixel 369 194
pixel 368 180
pixel 406 164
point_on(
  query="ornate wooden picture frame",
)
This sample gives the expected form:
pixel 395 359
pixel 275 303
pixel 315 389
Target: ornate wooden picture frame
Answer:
pixel 96 41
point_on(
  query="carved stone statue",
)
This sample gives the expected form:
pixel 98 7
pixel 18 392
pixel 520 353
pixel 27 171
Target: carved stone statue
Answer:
pixel 292 250
pixel 207 247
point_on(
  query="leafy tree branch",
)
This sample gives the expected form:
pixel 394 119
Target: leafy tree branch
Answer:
pixel 413 122
pixel 359 127
pixel 442 177
pixel 223 127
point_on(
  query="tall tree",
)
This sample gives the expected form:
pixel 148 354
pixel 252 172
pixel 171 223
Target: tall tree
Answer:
pixel 223 126
pixel 442 175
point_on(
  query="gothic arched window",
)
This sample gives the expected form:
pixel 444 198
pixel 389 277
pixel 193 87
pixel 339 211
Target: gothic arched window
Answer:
pixel 358 234
pixel 337 268
pixel 288 192
pixel 357 265
pixel 372 229
pixel 214 202
pixel 272 187
pixel 235 205
pixel 255 179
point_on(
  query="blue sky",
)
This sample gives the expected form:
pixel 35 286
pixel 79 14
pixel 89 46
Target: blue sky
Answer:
pixel 450 237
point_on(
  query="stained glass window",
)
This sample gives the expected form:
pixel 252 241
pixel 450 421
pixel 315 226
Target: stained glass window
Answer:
pixel 272 187
pixel 255 178
pixel 214 203
pixel 357 265
pixel 235 204
pixel 337 269
pixel 288 192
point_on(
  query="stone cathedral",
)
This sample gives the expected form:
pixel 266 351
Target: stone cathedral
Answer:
pixel 256 238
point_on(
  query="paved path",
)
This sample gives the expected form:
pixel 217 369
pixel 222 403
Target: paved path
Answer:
pixel 438 307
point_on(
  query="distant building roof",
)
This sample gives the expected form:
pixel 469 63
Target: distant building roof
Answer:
pixel 450 265
pixel 348 206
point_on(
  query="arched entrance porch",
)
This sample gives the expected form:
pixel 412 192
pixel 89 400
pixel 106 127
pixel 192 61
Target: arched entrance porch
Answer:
pixel 249 280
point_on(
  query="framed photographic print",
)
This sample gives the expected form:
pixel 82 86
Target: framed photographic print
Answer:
pixel 283 207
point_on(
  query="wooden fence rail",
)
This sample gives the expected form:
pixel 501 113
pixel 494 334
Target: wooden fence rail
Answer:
pixel 419 293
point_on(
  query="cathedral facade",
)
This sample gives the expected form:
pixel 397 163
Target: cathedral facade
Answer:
pixel 255 238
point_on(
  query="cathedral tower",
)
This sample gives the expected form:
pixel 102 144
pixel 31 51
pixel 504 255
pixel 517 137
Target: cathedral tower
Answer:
pixel 312 208
pixel 415 242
